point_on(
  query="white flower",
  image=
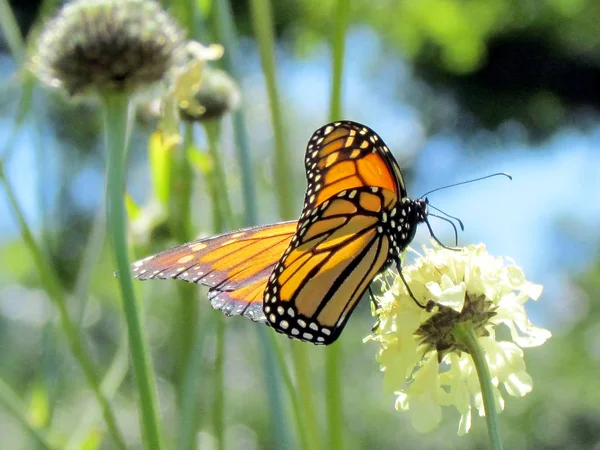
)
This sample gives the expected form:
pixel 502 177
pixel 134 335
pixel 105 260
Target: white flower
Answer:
pixel 423 363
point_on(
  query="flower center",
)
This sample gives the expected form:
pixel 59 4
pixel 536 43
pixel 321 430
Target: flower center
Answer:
pixel 436 333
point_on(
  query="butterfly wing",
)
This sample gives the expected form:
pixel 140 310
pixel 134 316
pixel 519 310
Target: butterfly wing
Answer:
pixel 235 266
pixel 343 238
pixel 346 155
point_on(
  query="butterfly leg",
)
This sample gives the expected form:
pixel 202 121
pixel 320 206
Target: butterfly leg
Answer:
pixel 377 305
pixel 430 304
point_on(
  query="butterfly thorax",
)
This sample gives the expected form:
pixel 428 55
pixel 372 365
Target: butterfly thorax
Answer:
pixel 402 221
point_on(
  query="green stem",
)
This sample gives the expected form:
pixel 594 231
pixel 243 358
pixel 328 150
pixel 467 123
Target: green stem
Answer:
pixel 333 396
pixel 303 431
pixel 338 51
pixel 218 386
pixel 221 198
pixel 186 439
pixel 185 13
pixel 212 179
pixel 222 22
pixel 11 401
pixel 12 34
pixel 222 214
pixel 279 422
pixel 304 388
pixel 465 333
pixel 333 357
pixel 180 199
pixel 263 27
pixel 55 291
pixel 93 251
pixel 110 385
pixel 181 188
pixel 116 120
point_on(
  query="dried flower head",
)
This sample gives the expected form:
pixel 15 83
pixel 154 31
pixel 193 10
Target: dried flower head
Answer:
pixel 108 46
pixel 426 365
pixel 215 95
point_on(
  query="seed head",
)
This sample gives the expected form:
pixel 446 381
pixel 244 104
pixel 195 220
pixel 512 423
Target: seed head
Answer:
pixel 107 46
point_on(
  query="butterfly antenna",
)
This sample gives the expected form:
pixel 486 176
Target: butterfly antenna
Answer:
pixel 497 174
pixel 445 220
pixel 460 223
pixel 377 305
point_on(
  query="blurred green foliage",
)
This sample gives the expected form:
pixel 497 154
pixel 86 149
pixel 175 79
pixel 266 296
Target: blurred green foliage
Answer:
pixel 535 61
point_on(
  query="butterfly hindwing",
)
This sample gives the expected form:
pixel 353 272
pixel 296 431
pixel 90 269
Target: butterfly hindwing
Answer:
pixel 328 266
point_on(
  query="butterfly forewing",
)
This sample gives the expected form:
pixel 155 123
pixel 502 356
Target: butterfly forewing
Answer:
pixel 235 266
pixel 346 155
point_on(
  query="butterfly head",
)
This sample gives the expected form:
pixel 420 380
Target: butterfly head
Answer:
pixel 421 206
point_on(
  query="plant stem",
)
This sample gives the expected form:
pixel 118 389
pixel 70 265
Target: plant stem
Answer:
pixel 279 422
pixel 303 431
pixel 55 291
pixel 93 249
pixel 466 335
pixel 301 363
pixel 116 120
pixel 222 214
pixel 221 198
pixel 219 384
pixel 180 198
pixel 110 385
pixel 181 188
pixel 186 438
pixel 338 47
pixel 263 27
pixel 333 357
pixel 14 406
pixel 185 13
pixel 222 21
pixel 12 34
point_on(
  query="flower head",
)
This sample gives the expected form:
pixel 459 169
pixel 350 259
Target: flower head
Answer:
pixel 215 95
pixel 108 46
pixel 425 362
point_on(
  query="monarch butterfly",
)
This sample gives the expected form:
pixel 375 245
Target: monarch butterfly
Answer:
pixel 304 278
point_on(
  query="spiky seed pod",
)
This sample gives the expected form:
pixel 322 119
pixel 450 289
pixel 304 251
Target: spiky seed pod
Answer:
pixel 215 95
pixel 107 46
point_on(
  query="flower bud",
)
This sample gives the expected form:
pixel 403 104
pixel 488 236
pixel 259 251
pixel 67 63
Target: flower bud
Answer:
pixel 215 95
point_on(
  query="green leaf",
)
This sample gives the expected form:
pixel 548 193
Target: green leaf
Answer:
pixel 39 406
pixel 201 161
pixel 160 151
